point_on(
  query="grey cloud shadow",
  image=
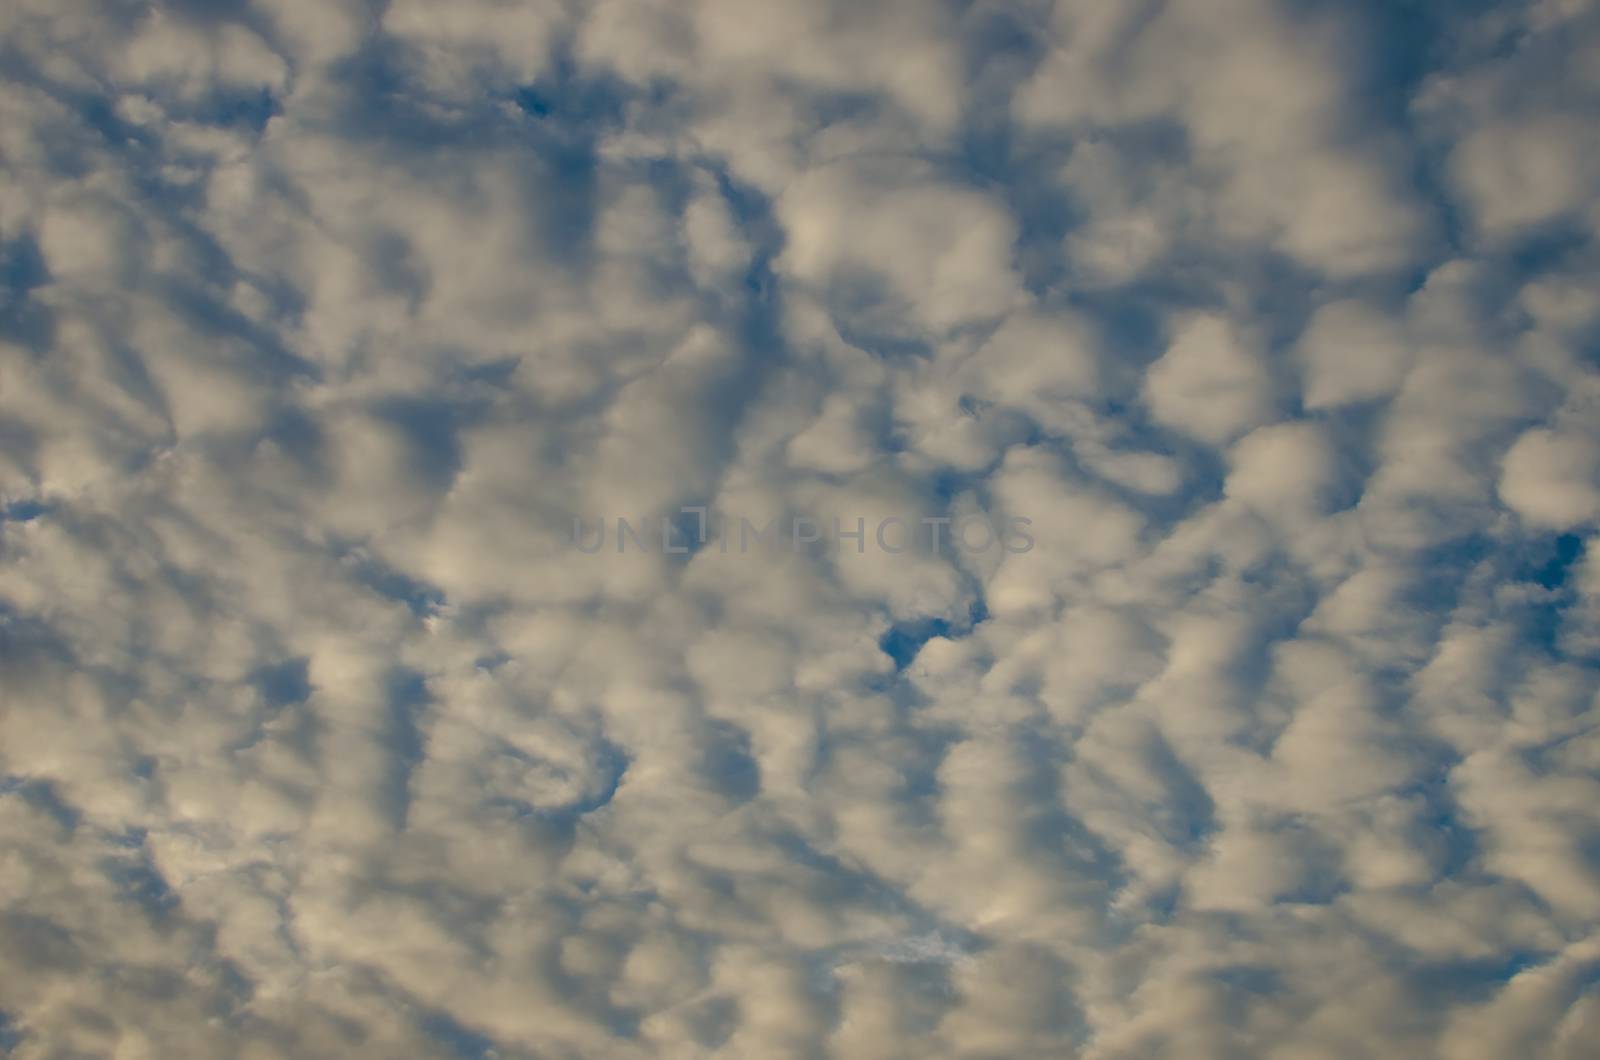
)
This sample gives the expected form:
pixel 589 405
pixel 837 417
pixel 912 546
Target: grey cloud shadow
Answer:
pixel 559 119
pixel 24 320
pixel 407 698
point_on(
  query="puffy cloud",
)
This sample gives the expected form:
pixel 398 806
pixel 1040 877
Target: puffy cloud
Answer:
pixel 321 323
pixel 1553 479
pixel 1516 175
pixel 1263 100
pixel 1351 352
pixel 467 48
pixel 1212 381
pixel 1283 466
pixel 941 253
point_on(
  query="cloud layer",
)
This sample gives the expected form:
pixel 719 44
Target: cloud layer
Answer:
pixel 320 322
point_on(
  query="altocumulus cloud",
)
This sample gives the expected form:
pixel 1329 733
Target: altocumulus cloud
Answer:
pixel 320 320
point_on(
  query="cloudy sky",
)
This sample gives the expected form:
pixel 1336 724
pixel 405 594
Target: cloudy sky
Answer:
pixel 325 324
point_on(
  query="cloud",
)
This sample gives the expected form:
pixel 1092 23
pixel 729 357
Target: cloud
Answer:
pixel 1211 382
pixel 321 323
pixel 1262 102
pixel 1552 480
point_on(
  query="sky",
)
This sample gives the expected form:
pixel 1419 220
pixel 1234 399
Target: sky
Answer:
pixel 1257 341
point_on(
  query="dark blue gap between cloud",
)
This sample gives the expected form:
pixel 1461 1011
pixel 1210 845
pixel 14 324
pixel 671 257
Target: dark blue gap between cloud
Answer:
pixel 461 1041
pixel 903 640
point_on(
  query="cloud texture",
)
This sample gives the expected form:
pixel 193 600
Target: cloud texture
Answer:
pixel 321 320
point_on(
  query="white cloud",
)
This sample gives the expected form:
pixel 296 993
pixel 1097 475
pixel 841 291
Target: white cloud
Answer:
pixel 1351 353
pixel 1263 98
pixel 1553 479
pixel 1211 382
pixel 944 253
pixel 320 323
